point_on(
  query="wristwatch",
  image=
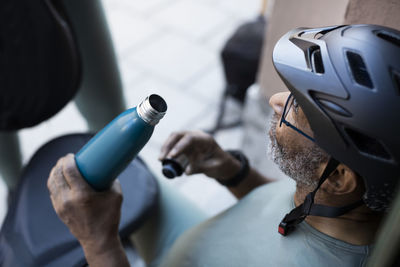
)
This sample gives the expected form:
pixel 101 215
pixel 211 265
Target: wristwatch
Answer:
pixel 243 172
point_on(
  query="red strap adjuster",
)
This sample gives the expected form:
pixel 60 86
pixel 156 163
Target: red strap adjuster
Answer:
pixel 283 229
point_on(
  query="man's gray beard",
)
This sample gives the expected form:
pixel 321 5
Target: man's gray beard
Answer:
pixel 301 166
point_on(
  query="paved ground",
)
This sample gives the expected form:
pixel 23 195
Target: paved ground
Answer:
pixel 171 47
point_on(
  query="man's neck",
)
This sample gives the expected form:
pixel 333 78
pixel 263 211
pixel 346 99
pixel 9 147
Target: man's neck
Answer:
pixel 357 227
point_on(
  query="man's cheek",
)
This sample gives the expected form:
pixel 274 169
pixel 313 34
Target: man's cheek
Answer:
pixel 281 137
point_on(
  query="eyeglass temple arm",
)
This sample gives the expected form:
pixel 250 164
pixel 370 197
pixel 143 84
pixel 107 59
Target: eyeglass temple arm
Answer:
pixel 297 130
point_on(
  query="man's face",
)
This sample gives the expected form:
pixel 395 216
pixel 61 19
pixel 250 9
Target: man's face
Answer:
pixel 296 156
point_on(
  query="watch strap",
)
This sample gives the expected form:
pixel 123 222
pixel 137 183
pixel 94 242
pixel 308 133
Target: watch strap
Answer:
pixel 241 174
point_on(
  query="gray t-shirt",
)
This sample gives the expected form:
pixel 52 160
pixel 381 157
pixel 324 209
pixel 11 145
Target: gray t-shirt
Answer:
pixel 247 235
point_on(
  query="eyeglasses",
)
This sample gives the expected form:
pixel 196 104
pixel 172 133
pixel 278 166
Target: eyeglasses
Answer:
pixel 288 106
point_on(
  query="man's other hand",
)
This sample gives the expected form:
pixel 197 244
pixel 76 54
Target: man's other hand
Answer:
pixel 203 152
pixel 92 217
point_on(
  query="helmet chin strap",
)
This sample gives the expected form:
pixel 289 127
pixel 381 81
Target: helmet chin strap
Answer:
pixel 298 214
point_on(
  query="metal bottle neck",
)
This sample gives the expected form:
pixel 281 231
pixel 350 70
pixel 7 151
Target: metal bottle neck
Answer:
pixel 152 109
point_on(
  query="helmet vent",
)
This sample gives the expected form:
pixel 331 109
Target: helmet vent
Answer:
pixel 319 35
pixel 316 60
pixel 308 34
pixel 359 70
pixel 368 145
pixel 389 37
pixel 333 107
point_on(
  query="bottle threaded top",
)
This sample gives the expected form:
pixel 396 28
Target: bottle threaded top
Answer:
pixel 152 109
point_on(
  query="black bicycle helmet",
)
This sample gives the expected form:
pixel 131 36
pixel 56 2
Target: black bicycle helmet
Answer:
pixel 347 81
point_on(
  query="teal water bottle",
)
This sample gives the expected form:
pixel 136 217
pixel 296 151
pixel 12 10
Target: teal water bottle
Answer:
pixel 108 153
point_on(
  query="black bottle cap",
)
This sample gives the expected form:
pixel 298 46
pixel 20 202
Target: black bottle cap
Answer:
pixel 171 168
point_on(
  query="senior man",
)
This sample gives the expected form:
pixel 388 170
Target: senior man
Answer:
pixel 335 134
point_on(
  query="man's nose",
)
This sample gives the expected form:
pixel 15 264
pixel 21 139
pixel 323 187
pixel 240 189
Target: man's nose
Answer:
pixel 277 101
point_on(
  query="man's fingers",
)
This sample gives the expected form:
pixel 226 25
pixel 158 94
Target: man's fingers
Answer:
pixel 190 170
pixel 72 174
pixel 117 190
pixel 169 144
pixel 57 185
pixel 181 147
pixel 56 182
pixel 116 187
pixel 199 166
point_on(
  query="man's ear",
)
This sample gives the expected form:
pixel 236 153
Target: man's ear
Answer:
pixel 342 181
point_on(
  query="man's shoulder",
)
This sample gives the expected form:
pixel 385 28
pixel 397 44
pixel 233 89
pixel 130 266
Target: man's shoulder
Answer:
pixel 279 189
pixel 287 185
pixel 247 235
